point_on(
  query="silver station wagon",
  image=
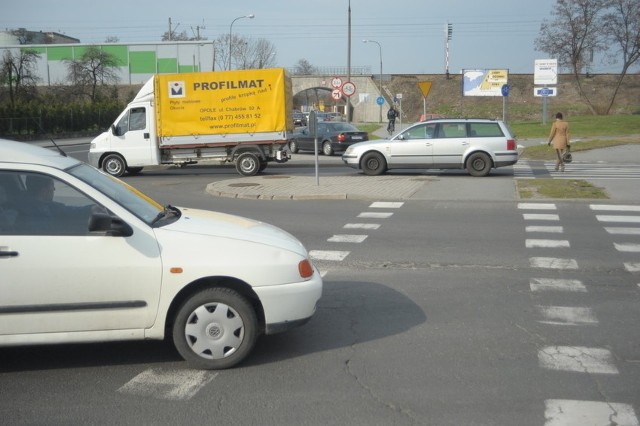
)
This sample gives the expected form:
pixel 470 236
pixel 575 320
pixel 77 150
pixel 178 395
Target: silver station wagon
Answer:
pixel 477 145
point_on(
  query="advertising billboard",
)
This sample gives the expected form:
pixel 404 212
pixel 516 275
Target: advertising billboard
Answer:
pixel 481 82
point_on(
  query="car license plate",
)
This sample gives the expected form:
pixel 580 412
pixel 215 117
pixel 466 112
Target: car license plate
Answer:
pixel 356 138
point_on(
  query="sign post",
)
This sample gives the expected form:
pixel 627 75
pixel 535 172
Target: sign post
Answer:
pixel 545 73
pixel 313 129
pixel 505 94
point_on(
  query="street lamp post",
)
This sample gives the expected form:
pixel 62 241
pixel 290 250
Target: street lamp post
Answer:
pixel 380 83
pixel 230 31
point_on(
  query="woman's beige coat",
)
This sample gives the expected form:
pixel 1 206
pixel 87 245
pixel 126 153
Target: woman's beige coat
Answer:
pixel 559 135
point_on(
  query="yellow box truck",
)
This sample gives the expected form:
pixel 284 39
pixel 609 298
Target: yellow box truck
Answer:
pixel 241 117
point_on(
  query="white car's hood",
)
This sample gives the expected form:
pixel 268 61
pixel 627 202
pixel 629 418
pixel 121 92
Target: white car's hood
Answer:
pixel 216 224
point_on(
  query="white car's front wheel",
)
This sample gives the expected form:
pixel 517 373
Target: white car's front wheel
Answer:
pixel 215 329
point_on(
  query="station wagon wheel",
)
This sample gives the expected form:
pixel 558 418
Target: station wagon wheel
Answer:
pixel 114 165
pixel 293 147
pixel 374 164
pixel 247 164
pixel 479 164
pixel 326 148
pixel 215 329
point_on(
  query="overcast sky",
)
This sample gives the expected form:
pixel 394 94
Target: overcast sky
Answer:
pixel 496 34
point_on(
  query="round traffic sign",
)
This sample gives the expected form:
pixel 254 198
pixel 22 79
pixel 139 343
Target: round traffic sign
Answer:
pixel 505 90
pixel 348 88
pixel 380 100
pixel 336 94
pixel 336 82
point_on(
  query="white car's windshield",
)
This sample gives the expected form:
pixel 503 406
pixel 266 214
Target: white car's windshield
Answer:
pixel 127 196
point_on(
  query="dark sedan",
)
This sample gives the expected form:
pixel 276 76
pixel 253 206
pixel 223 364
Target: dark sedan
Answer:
pixel 333 137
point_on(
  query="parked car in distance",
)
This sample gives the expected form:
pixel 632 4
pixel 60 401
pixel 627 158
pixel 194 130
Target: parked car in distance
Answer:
pixel 87 258
pixel 335 116
pixel 333 137
pixel 475 144
pixel 299 119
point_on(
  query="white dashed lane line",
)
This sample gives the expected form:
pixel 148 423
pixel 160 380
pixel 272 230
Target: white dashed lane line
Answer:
pixel 343 238
pixel 577 359
pixel 556 284
pixel 553 263
pixel 174 385
pixel 566 412
pixel 566 315
pixel 532 243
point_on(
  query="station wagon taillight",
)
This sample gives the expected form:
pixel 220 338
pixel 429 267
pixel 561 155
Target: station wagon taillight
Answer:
pixel 511 145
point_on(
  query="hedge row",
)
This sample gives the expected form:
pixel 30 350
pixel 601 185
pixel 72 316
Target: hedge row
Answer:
pixel 34 120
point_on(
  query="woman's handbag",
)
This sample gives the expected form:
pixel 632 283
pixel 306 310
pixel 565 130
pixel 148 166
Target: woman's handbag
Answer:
pixel 567 157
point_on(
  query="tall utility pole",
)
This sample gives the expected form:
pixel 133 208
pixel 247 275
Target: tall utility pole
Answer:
pixel 349 64
pixel 448 31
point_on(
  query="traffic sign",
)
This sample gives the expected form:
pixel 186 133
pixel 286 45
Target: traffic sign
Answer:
pixel 425 86
pixel 348 88
pixel 336 94
pixel 505 90
pixel 380 100
pixel 336 82
pixel 544 91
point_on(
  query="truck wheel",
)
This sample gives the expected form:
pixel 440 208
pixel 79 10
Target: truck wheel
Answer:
pixel 114 165
pixel 293 147
pixel 247 164
pixel 215 328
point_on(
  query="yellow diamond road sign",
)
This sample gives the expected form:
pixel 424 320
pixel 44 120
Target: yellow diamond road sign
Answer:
pixel 425 86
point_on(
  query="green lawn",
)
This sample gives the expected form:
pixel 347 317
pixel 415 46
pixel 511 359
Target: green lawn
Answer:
pixel 583 126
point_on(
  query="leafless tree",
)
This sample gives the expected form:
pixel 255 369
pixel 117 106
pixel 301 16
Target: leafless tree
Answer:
pixel 573 35
pixel 304 67
pixel 246 53
pixel 94 68
pixel 18 73
pixel 622 29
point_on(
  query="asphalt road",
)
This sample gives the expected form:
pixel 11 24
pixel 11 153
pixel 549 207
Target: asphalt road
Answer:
pixel 435 312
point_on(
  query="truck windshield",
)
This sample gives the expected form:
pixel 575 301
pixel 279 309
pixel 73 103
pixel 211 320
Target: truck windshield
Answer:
pixel 125 195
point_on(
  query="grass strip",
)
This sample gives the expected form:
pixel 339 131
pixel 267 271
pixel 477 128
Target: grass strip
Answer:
pixel 559 188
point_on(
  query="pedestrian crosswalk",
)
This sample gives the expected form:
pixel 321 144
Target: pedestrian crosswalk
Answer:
pixel 524 169
pixel 551 279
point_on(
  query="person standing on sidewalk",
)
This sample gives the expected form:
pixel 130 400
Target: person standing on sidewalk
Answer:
pixel 559 136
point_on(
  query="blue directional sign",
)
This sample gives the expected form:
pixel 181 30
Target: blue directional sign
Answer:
pixel 380 100
pixel 505 90
pixel 544 91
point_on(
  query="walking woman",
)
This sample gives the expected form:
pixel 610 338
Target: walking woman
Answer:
pixel 559 136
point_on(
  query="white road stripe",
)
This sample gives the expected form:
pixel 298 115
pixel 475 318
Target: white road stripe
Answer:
pixel 540 216
pixel 553 263
pixel 536 206
pixel 531 243
pixel 565 412
pixel 328 255
pixel 614 218
pixel 386 205
pixel 627 247
pixel 622 231
pixel 578 359
pixel 554 284
pixel 344 238
pixel 362 226
pixel 566 315
pixel 632 267
pixel 609 207
pixel 172 385
pixel 549 229
pixel 374 215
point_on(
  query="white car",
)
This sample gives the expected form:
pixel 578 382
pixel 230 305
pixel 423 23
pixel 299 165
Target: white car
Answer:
pixel 477 145
pixel 85 257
